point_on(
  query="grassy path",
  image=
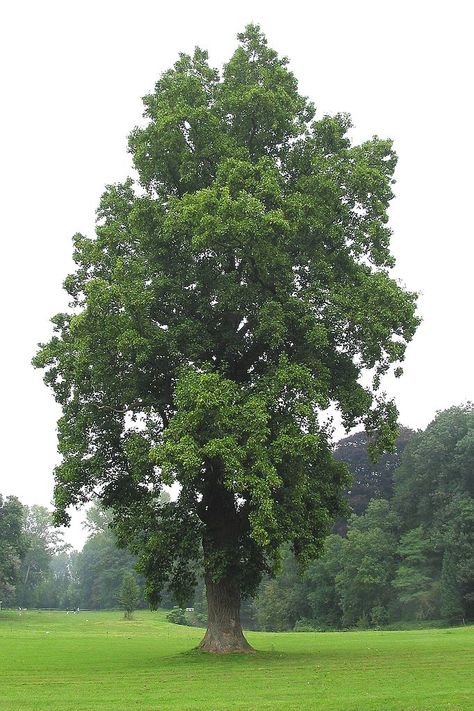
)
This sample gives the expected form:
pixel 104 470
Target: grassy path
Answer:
pixel 93 660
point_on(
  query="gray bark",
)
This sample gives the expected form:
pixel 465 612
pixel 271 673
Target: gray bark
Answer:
pixel 224 631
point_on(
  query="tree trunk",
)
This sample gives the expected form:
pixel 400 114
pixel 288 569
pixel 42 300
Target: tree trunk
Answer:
pixel 224 631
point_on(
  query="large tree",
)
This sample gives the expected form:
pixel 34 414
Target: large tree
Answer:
pixel 231 294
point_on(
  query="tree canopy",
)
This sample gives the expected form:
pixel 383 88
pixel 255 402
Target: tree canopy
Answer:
pixel 41 541
pixel 370 480
pixel 434 492
pixel 231 293
pixel 129 596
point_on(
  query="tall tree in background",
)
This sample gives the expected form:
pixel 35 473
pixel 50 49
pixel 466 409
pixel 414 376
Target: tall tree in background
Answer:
pixel 129 595
pixel 42 541
pixel 321 577
pixel 12 546
pixel 458 558
pixel 282 600
pixel 437 467
pixel 369 556
pixel 370 480
pixel 101 565
pixel 415 579
pixel 227 299
pixel 61 589
pixel 434 490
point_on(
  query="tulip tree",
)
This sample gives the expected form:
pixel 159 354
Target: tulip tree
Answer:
pixel 234 290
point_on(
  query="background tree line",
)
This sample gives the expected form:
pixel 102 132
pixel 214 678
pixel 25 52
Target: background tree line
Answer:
pixel 405 554
pixel 38 569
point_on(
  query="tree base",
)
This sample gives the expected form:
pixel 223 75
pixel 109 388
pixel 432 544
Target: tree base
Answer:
pixel 224 632
pixel 225 642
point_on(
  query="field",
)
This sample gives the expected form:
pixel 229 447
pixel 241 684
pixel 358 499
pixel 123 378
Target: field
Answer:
pixel 53 661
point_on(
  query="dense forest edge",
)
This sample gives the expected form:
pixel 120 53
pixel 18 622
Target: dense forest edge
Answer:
pixel 404 555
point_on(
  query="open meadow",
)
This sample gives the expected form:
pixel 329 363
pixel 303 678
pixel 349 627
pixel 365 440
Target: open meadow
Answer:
pixel 53 661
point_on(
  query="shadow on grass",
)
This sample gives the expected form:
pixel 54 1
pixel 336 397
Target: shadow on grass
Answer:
pixel 257 656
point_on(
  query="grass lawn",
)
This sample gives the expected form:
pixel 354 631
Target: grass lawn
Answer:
pixel 51 661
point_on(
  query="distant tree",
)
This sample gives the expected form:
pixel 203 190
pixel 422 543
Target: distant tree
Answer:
pixel 12 546
pixel 42 541
pixel 437 466
pixel 370 480
pixel 177 616
pixel 416 579
pixel 99 570
pixel 129 595
pixel 452 607
pixel 457 579
pixel 369 556
pixel 291 597
pixel 387 570
pixel 240 288
pixel 434 489
pixel 98 519
pixel 63 573
pixel 282 601
pixel 321 590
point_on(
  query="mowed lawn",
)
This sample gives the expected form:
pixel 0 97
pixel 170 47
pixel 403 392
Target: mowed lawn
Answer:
pixel 51 661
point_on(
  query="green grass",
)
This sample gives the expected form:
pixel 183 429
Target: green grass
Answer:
pixel 50 661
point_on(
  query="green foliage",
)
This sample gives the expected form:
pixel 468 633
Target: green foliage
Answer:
pixel 129 595
pixel 457 578
pixel 415 579
pixel 370 480
pixel 46 573
pixel 368 563
pixel 435 489
pixel 239 288
pixel 100 569
pixel 12 546
pixel 282 601
pixel 42 541
pixel 322 594
pixel 305 625
pixel 451 601
pixel 35 564
pixel 64 586
pixel 386 569
pixel 436 468
pixel 379 616
pixel 98 520
pixel 177 616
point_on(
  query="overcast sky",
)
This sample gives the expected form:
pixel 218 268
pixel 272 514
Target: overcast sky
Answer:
pixel 72 77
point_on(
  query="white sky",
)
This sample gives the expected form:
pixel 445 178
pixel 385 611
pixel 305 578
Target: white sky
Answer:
pixel 72 74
